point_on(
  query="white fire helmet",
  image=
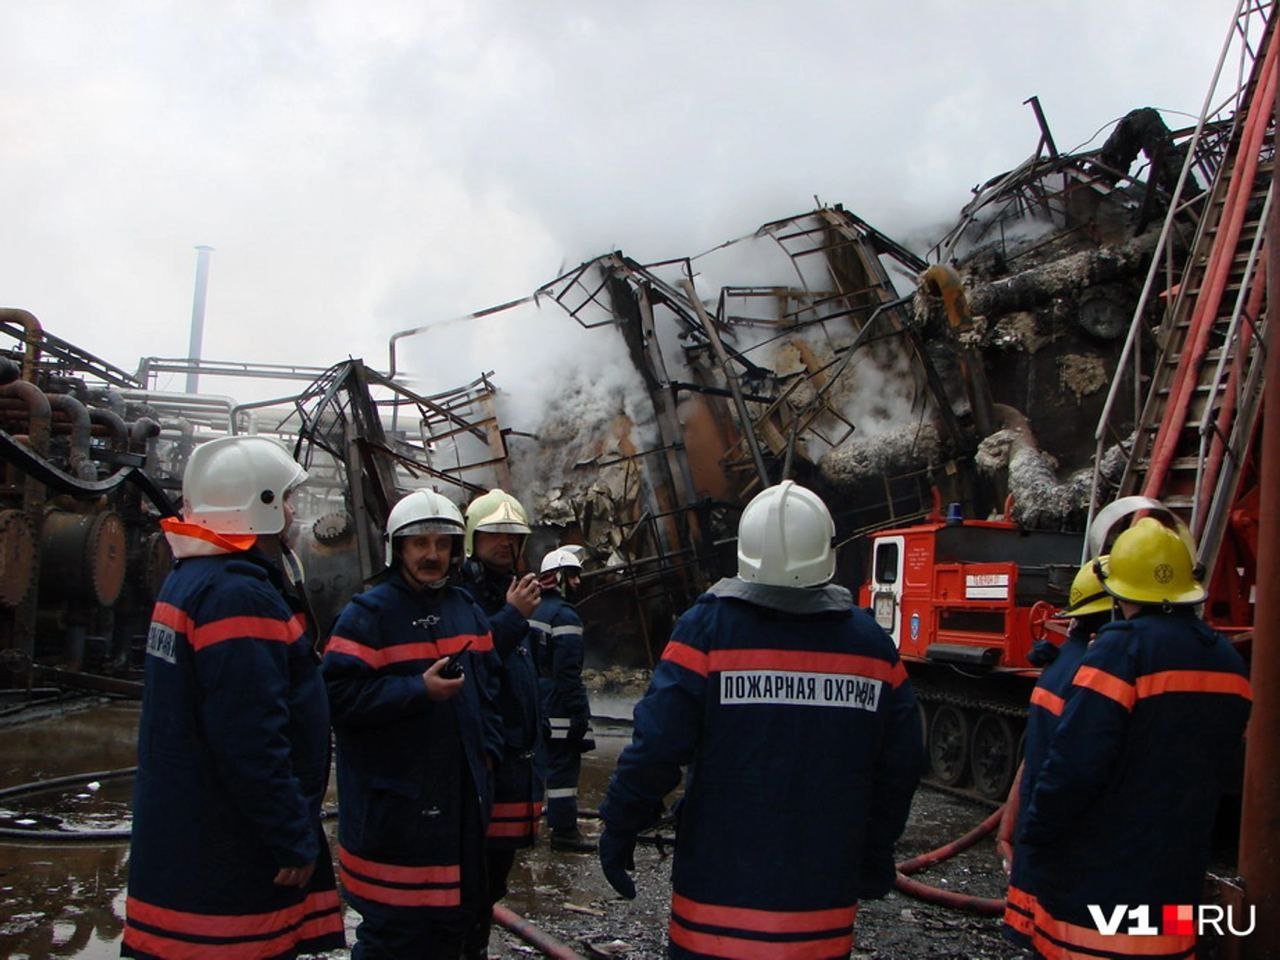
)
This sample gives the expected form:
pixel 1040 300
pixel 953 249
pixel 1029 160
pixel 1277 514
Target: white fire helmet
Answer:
pixel 237 485
pixel 784 538
pixel 560 558
pixel 424 511
pixel 495 512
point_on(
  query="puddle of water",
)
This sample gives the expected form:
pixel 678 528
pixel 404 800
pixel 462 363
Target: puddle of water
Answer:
pixel 66 900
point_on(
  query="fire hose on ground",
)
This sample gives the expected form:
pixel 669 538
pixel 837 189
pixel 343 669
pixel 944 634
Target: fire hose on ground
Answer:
pixel 986 906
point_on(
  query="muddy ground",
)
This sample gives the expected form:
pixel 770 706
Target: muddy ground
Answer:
pixel 67 900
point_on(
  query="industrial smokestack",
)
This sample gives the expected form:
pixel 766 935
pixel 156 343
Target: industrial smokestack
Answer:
pixel 197 314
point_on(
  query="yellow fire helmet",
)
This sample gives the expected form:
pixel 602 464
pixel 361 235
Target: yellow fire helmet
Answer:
pixel 1087 595
pixel 494 512
pixel 1149 563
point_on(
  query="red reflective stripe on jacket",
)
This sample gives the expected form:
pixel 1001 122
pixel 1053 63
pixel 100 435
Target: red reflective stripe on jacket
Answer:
pixel 688 657
pixel 1193 681
pixel 170 616
pixel 175 948
pixel 398 873
pixel 1058 939
pixel 228 925
pixel 401 896
pixel 764 921
pixel 742 948
pixel 1040 697
pixel 402 652
pixel 514 828
pixel 1020 909
pixel 480 643
pixel 1107 684
pixel 807 660
pixel 231 628
pixel 511 811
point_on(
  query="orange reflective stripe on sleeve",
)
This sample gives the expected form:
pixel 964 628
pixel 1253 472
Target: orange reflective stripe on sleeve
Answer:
pixel 1107 684
pixel 1193 681
pixel 1040 697
pixel 170 616
pixel 688 657
pixel 249 628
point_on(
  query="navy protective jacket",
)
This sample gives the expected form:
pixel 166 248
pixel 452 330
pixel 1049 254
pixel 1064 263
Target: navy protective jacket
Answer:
pixel 233 761
pixel 411 771
pixel 800 732
pixel 558 653
pixel 1123 808
pixel 1047 701
pixel 517 782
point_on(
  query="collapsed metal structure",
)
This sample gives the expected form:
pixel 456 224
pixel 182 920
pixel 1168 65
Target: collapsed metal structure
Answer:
pixel 815 347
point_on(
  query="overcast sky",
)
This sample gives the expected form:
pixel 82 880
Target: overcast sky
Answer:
pixel 365 167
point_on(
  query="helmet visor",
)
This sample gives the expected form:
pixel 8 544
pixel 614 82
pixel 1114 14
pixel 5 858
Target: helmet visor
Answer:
pixel 430 525
pixel 502 528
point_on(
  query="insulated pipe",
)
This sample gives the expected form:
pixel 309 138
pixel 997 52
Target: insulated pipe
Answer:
pixel 526 931
pixel 115 425
pixel 81 434
pixel 140 431
pixel 34 337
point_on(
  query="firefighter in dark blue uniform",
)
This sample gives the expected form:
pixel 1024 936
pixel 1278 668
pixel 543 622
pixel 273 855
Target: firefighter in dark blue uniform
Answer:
pixel 228 856
pixel 496 530
pixel 1123 807
pixel 1089 607
pixel 799 729
pixel 414 742
pixel 565 708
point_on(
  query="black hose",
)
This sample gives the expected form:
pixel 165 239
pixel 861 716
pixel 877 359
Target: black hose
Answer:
pixel 12 834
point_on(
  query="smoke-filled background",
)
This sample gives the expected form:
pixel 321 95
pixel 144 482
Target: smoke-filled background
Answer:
pixel 363 168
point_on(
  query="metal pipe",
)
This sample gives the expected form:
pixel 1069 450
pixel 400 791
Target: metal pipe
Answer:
pixel 116 427
pixel 140 431
pixel 197 314
pixel 81 435
pixel 34 337
pixel 1260 812
pixel 412 331
pixel 33 497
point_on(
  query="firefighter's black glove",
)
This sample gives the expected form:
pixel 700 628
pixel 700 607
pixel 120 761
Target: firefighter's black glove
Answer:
pixel 617 856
